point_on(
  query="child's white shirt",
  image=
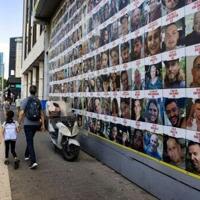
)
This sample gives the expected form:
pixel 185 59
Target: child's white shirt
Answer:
pixel 10 130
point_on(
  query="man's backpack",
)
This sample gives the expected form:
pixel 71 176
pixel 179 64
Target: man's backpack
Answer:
pixel 33 109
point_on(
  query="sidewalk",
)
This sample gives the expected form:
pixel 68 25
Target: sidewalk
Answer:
pixel 57 179
pixel 5 192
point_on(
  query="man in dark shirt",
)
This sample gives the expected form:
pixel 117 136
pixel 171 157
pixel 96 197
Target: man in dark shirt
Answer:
pixel 194 36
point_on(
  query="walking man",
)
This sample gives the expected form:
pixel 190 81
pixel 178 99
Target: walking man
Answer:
pixel 33 117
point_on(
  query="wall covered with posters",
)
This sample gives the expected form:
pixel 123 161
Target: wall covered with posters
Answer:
pixel 132 70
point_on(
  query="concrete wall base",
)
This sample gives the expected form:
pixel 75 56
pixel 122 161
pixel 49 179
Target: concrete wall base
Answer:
pixel 163 182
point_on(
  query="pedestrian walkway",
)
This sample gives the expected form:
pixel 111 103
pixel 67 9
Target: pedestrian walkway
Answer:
pixel 57 179
pixel 5 193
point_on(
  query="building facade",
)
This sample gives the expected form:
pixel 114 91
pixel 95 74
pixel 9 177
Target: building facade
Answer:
pixel 123 64
pixel 1 64
pixel 15 65
pixel 33 52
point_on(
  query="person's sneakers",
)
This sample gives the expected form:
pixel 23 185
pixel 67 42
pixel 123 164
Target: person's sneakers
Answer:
pixel 16 163
pixel 26 158
pixel 33 166
pixel 6 162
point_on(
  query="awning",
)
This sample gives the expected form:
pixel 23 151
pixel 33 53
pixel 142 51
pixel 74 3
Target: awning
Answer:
pixel 44 9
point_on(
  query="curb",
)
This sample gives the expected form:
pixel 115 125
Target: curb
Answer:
pixel 5 190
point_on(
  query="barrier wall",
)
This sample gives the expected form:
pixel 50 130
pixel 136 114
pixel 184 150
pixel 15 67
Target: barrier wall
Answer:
pixel 132 71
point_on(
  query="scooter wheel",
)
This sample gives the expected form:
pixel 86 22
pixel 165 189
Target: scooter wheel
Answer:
pixel 71 152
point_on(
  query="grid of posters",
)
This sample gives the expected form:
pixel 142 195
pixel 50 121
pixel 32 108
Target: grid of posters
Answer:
pixel 132 69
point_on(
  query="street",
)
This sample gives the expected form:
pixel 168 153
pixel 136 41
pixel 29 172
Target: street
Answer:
pixel 57 179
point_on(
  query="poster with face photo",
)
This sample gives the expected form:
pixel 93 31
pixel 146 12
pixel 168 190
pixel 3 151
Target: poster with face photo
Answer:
pixel 115 81
pixel 124 135
pixel 105 59
pixel 124 26
pixel 106 106
pixel 175 112
pixel 193 71
pixel 98 61
pixel 114 134
pixel 99 84
pixel 193 114
pixel 153 76
pixel 169 6
pixel 125 108
pixel 153 42
pixel 99 128
pixel 193 157
pixel 115 108
pixel 80 121
pixel 173 35
pixel 125 80
pixel 105 36
pixel 137 140
pixel 137 18
pixel 152 10
pixel 91 85
pixel 174 151
pixel 114 56
pixel 106 82
pixel 154 111
pixel 123 4
pixel 106 129
pixel 113 7
pixel 153 145
pixel 114 29
pixel 137 109
pixel 174 73
pixel 96 19
pixel 137 48
pixel 85 122
pixel 192 31
pixel 91 125
pixel 138 77
pixel 97 105
pixel 125 52
pixel 105 12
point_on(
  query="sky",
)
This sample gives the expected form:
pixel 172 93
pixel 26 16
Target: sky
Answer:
pixel 11 19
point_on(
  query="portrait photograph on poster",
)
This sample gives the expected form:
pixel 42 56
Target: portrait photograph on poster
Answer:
pixel 173 35
pixel 137 140
pixel 137 48
pixel 138 78
pixel 115 107
pixel 193 71
pixel 125 80
pixel 153 42
pixel 153 111
pixel 153 145
pixel 174 73
pixel 193 114
pixel 137 109
pixel 153 76
pixel 174 151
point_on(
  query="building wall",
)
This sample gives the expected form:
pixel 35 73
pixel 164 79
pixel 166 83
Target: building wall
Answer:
pixel 18 65
pixel 1 64
pixel 33 50
pixel 93 59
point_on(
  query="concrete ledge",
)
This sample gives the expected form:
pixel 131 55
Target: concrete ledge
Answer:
pixel 161 181
pixel 5 191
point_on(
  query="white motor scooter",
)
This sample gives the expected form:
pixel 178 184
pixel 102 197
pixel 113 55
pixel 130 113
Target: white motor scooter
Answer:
pixel 63 132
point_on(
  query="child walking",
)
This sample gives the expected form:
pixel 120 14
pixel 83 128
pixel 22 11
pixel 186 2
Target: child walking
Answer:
pixel 10 130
